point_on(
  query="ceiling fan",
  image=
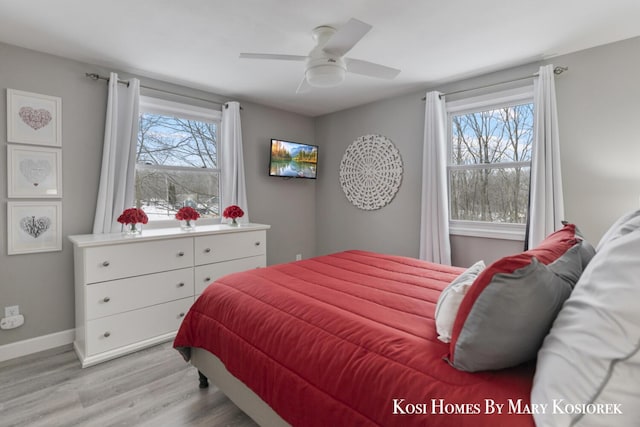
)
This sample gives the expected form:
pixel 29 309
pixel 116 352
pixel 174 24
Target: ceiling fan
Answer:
pixel 326 65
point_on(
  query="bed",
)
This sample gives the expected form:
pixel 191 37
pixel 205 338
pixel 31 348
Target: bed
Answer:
pixel 549 337
pixel 344 339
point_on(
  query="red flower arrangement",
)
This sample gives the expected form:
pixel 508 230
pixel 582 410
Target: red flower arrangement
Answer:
pixel 133 216
pixel 233 212
pixel 187 213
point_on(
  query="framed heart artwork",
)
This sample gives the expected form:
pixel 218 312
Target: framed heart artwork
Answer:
pixel 34 172
pixel 33 118
pixel 34 227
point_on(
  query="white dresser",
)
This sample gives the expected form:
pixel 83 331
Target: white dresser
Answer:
pixel 133 291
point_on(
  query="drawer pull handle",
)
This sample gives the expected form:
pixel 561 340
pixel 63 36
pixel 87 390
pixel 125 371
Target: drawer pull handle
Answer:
pixel 181 284
pixel 181 315
pixel 106 299
pixel 257 243
pixel 207 279
pixel 106 264
pixel 180 253
pixel 206 251
pixel 107 334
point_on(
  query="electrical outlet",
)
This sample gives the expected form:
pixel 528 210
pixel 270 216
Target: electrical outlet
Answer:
pixel 11 311
pixel 298 257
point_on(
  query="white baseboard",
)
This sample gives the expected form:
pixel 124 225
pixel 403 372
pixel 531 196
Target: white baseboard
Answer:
pixel 37 344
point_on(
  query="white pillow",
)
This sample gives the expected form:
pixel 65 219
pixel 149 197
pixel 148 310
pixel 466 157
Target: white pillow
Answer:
pixel 588 368
pixel 622 226
pixel 450 299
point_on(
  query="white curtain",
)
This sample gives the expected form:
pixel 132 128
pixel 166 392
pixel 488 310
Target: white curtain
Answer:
pixel 234 189
pixel 434 223
pixel 546 210
pixel 116 191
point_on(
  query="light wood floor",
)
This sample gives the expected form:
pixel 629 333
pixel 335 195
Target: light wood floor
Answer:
pixel 153 387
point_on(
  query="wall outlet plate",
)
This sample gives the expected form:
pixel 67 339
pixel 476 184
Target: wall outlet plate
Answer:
pixel 11 311
pixel 298 257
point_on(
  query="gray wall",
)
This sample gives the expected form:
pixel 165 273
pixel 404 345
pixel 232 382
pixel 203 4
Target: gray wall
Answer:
pixel 42 284
pixel 392 229
pixel 288 205
pixel 598 109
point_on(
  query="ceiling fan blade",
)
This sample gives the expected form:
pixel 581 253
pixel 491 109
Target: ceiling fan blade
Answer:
pixel 346 37
pixel 273 56
pixel 304 86
pixel 370 69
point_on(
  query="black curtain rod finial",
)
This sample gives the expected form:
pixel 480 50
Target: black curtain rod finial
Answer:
pixel 559 70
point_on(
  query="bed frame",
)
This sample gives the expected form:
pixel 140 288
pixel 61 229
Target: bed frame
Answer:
pixel 211 368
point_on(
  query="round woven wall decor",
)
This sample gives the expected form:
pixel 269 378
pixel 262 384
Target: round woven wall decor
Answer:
pixel 371 172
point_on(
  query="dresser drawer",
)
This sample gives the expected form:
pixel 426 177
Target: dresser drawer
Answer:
pixel 134 259
pixel 223 247
pixel 108 333
pixel 108 298
pixel 205 274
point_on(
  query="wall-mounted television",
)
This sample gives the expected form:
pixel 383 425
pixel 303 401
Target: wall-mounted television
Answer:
pixel 290 159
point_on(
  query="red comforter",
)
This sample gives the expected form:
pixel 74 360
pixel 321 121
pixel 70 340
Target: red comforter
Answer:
pixel 349 340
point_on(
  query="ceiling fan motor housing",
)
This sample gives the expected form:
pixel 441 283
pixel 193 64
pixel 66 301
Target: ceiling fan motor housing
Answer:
pixel 325 72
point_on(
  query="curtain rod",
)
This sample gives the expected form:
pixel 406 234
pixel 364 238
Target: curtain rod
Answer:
pixel 556 70
pixel 96 76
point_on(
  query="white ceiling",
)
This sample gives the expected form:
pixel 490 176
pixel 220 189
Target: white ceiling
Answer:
pixel 196 42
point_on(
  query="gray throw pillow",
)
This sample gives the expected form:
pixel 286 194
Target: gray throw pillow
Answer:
pixel 510 318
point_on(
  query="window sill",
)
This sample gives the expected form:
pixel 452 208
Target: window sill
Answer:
pixel 487 230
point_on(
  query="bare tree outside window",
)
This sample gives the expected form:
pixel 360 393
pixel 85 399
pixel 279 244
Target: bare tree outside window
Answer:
pixel 176 166
pixel 490 164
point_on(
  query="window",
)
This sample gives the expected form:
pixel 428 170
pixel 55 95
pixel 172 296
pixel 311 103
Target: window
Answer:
pixel 489 164
pixel 177 160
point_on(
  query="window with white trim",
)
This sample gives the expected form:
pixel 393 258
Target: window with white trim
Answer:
pixel 489 163
pixel 177 159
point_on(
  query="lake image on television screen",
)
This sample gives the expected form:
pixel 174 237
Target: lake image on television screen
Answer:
pixel 293 159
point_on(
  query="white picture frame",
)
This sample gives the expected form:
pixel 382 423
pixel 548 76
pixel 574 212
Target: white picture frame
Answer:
pixel 34 172
pixel 33 118
pixel 34 227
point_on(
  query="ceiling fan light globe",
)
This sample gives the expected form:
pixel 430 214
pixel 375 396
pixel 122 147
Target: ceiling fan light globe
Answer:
pixel 326 75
